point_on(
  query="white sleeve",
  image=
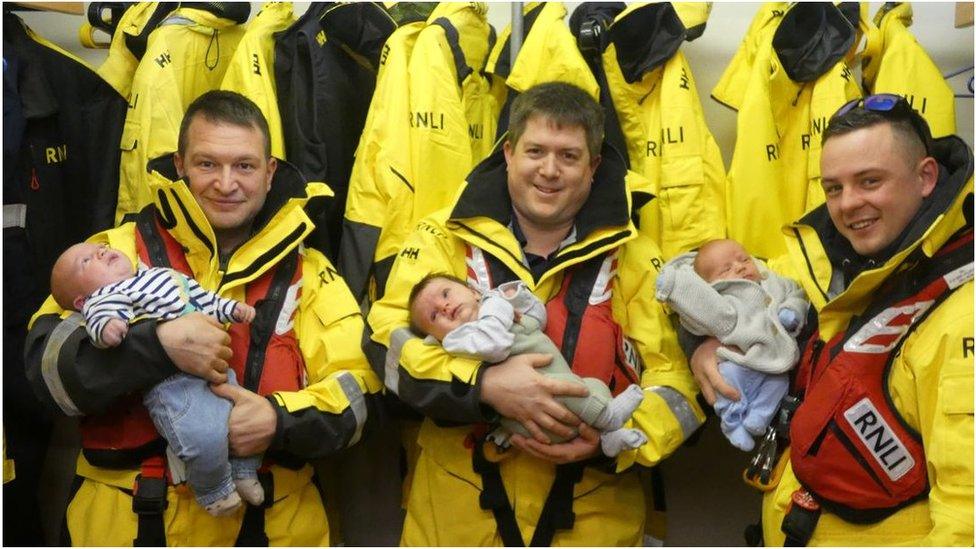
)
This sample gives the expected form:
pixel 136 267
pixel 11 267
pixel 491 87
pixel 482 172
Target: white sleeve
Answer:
pixel 489 338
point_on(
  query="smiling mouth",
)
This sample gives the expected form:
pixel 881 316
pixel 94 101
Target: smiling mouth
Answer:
pixel 546 190
pixel 860 225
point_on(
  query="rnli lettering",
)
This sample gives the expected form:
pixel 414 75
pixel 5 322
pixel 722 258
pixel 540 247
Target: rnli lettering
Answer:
pixel 657 263
pixel 669 136
pixel 385 54
pixel 410 253
pixel 846 73
pixel 818 125
pixel 163 59
pixel 918 103
pixel 684 80
pixel 805 141
pixel 55 155
pixel 476 131
pixel 879 439
pixel 134 102
pixel 328 275
pixel 885 330
pixel 320 38
pixel 967 347
pixel 432 120
pixel 772 152
pixel 255 64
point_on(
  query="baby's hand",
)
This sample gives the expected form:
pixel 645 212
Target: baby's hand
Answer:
pixel 244 312
pixel 114 332
pixel 789 319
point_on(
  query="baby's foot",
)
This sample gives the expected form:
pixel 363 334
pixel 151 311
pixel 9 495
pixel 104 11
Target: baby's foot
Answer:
pixel 251 490
pixel 619 410
pixel 225 506
pixel 614 442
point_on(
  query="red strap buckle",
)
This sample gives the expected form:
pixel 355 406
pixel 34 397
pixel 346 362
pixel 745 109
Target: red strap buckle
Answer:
pixel 803 498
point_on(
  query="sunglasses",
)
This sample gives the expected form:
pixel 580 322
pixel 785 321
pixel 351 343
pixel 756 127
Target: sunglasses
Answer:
pixel 895 107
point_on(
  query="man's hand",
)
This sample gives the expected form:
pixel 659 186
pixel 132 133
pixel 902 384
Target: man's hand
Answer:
pixel 198 345
pixel 585 446
pixel 252 420
pixel 244 313
pixel 704 366
pixel 515 390
pixel 114 332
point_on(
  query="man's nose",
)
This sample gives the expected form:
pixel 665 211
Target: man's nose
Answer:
pixel 549 168
pixel 850 199
pixel 226 183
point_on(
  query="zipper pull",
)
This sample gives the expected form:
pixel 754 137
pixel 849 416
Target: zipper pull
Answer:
pixel 35 183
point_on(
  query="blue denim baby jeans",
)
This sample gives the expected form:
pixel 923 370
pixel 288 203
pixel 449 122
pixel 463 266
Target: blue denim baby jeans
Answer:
pixel 193 421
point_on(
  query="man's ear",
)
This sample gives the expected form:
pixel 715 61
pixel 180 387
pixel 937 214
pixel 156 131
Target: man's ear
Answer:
pixel 178 163
pixel 272 166
pixel 928 175
pixel 595 162
pixel 79 302
pixel 509 151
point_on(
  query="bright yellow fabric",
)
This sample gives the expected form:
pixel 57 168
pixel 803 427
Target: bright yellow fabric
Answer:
pixel 9 473
pixel 894 62
pixel 186 56
pixel 669 143
pixel 120 66
pixel 775 167
pixel 731 86
pixel 251 70
pixel 931 385
pixel 612 511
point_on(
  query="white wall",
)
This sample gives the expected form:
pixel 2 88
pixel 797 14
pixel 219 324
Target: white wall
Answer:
pixel 949 47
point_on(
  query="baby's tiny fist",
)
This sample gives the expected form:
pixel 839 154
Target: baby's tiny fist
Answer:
pixel 114 332
pixel 244 312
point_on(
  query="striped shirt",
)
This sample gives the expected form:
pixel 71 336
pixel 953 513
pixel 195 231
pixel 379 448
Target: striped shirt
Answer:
pixel 163 294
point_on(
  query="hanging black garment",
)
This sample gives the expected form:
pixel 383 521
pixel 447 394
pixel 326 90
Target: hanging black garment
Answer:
pixel 62 125
pixel 323 97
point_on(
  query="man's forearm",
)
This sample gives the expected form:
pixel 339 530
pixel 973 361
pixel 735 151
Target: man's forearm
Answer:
pixel 69 374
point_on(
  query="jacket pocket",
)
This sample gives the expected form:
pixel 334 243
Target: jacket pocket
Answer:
pixel 684 218
pixel 954 453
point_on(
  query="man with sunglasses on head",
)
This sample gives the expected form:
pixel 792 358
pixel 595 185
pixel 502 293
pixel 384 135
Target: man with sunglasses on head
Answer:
pixel 879 434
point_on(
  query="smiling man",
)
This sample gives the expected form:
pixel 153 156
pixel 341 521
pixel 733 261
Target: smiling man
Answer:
pixel 233 218
pixel 881 445
pixel 552 209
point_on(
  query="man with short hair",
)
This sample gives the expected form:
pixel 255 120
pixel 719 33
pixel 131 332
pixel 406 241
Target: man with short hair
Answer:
pixel 232 217
pixel 549 208
pixel 881 445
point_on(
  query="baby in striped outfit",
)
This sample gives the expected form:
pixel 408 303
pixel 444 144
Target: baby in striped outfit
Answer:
pixel 101 282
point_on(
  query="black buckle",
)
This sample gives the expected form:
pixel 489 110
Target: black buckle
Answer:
pixel 149 496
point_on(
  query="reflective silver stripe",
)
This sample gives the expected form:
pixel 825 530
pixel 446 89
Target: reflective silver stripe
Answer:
pixel 399 337
pixel 356 403
pixel 14 215
pixel 49 362
pixel 680 408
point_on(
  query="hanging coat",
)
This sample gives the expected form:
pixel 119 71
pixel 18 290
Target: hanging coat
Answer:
pixel 894 62
pixel 251 71
pixel 323 96
pixel 187 55
pixel 548 53
pixel 797 81
pixel 668 141
pixel 129 42
pixel 731 86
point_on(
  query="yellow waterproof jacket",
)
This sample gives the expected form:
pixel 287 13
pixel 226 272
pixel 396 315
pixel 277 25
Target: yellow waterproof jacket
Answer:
pixel 328 414
pixel 251 70
pixel 187 55
pixel 443 507
pixel 775 166
pixel 382 159
pixel 894 62
pixel 548 53
pixel 731 86
pixel 132 31
pixel 930 381
pixel 667 139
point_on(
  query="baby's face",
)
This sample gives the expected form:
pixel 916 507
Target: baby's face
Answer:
pixel 90 266
pixel 443 305
pixel 725 260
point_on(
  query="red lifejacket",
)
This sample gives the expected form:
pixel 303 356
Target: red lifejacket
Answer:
pixel 851 448
pixel 266 356
pixel 580 319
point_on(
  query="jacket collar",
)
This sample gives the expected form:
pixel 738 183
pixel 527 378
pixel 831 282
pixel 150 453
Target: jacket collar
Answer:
pixel 812 38
pixel 281 225
pixel 36 94
pixel 645 37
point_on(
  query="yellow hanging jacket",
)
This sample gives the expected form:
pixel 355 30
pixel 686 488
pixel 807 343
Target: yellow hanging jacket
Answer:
pixel 668 142
pixel 548 53
pixel 329 413
pixel 894 62
pixel 930 380
pixel 609 506
pixel 186 56
pixel 251 70
pixel 731 86
pixel 129 43
pixel 797 81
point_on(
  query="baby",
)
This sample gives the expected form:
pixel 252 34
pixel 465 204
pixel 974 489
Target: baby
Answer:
pixel 510 320
pixel 101 283
pixel 722 291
